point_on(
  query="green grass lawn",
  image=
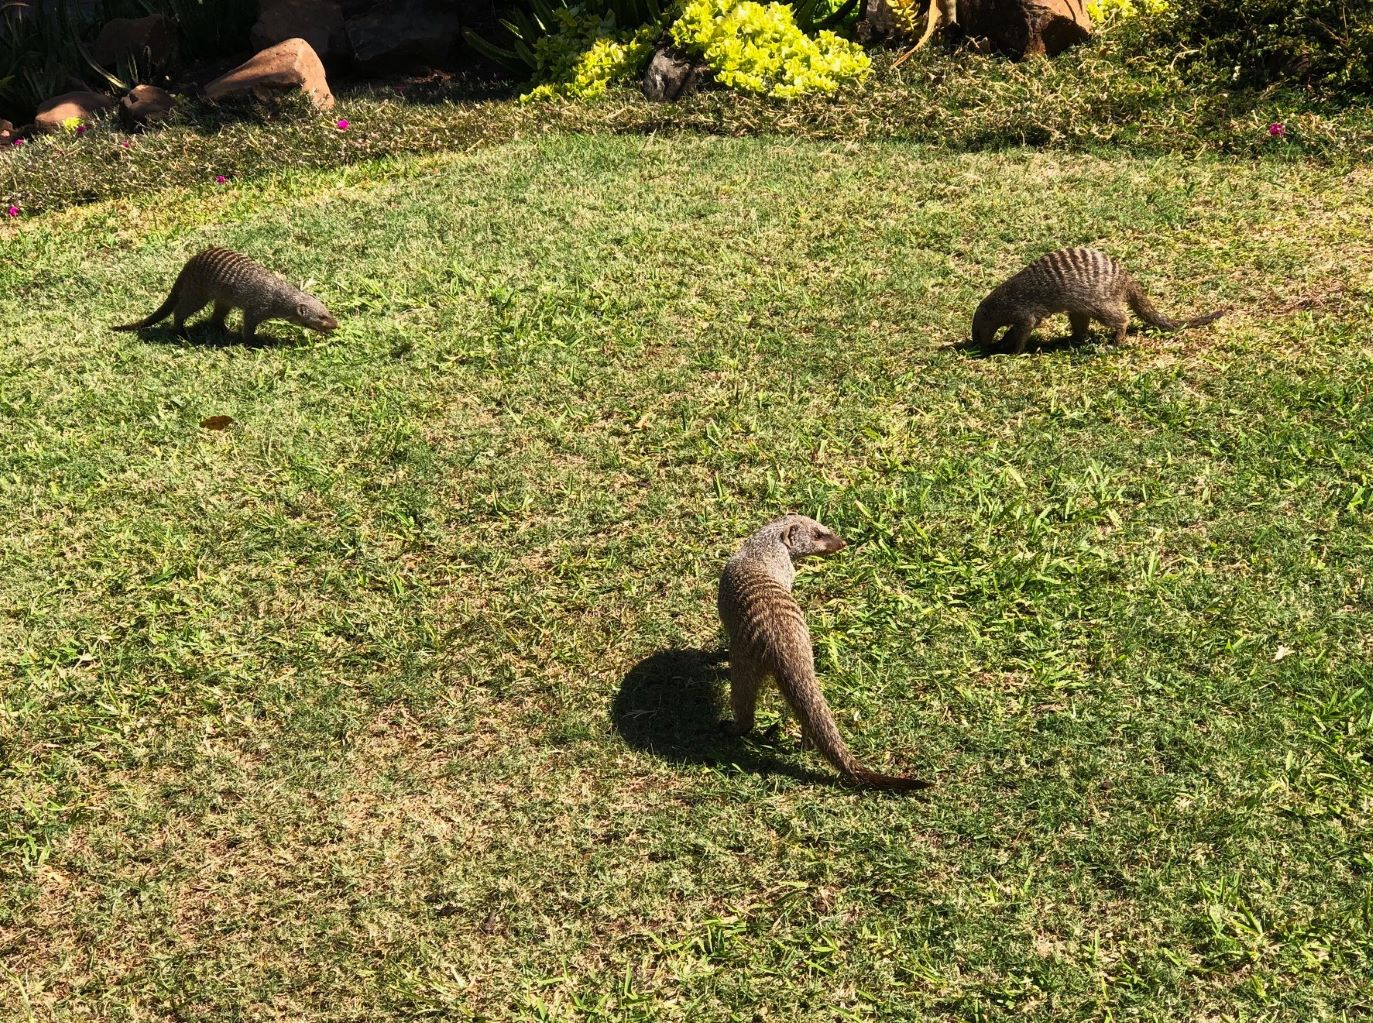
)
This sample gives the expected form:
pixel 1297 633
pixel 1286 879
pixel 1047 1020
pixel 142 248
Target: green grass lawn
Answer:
pixel 397 699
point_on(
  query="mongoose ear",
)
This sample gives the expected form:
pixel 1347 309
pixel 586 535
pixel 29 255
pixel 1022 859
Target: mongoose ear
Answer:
pixel 301 310
pixel 787 534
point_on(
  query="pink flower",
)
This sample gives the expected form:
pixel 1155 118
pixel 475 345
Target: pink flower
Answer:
pixel 220 179
pixel 1277 129
pixel 126 144
pixel 18 142
pixel 342 124
pixel 13 211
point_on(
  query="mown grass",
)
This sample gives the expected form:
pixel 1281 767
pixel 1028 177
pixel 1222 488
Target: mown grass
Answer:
pixel 397 698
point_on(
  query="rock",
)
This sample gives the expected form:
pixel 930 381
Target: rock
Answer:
pixel 669 74
pixel 150 42
pixel 84 106
pixel 318 22
pixel 144 105
pixel 877 23
pixel 1026 28
pixel 405 33
pixel 291 64
pixel 7 134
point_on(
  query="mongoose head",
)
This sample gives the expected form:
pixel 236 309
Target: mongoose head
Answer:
pixel 803 537
pixel 310 312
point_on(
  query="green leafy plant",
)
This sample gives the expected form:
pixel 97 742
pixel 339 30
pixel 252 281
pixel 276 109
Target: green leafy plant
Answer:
pixel 585 54
pixel 1324 46
pixel 759 48
pixel 527 29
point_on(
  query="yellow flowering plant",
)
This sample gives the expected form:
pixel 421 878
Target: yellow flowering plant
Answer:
pixel 759 48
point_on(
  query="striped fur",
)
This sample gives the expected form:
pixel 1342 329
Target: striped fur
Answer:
pixel 1084 283
pixel 233 281
pixel 768 638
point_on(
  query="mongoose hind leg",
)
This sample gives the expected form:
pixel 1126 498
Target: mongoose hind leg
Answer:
pixel 1081 323
pixel 744 680
pixel 187 305
pixel 1117 317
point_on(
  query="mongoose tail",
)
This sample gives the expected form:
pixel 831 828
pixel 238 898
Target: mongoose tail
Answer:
pixel 161 313
pixel 1148 312
pixel 799 686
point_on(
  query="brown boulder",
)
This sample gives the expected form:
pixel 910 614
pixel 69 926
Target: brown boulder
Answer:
pixel 149 42
pixel 7 134
pixel 144 105
pixel 54 113
pixel 318 22
pixel 1026 28
pixel 289 65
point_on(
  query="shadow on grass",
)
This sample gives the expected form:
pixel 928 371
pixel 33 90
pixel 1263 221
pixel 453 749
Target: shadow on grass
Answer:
pixel 1088 347
pixel 206 336
pixel 669 705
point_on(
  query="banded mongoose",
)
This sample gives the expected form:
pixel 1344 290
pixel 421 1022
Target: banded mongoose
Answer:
pixel 233 281
pixel 768 637
pixel 1084 283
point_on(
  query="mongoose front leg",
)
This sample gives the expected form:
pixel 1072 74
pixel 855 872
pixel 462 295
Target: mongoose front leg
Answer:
pixel 250 323
pixel 744 680
pixel 1018 337
pixel 221 310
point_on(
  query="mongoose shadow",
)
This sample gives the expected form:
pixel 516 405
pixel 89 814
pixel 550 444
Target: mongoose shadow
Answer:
pixel 208 336
pixel 1088 347
pixel 669 705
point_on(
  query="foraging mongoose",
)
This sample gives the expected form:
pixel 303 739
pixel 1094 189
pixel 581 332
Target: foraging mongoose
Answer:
pixel 768 637
pixel 1084 283
pixel 233 281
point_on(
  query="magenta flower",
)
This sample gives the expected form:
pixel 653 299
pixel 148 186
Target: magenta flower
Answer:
pixel 342 124
pixel 126 144
pixel 13 211
pixel 81 129
pixel 1277 129
pixel 220 179
pixel 17 142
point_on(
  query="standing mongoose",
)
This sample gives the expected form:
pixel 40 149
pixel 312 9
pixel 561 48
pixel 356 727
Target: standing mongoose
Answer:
pixel 233 281
pixel 768 637
pixel 1084 283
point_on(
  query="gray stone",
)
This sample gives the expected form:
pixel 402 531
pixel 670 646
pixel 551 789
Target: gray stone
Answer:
pixel 318 22
pixel 669 75
pixel 405 33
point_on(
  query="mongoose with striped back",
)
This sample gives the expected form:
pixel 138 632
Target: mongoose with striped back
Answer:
pixel 1084 283
pixel 768 638
pixel 233 281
